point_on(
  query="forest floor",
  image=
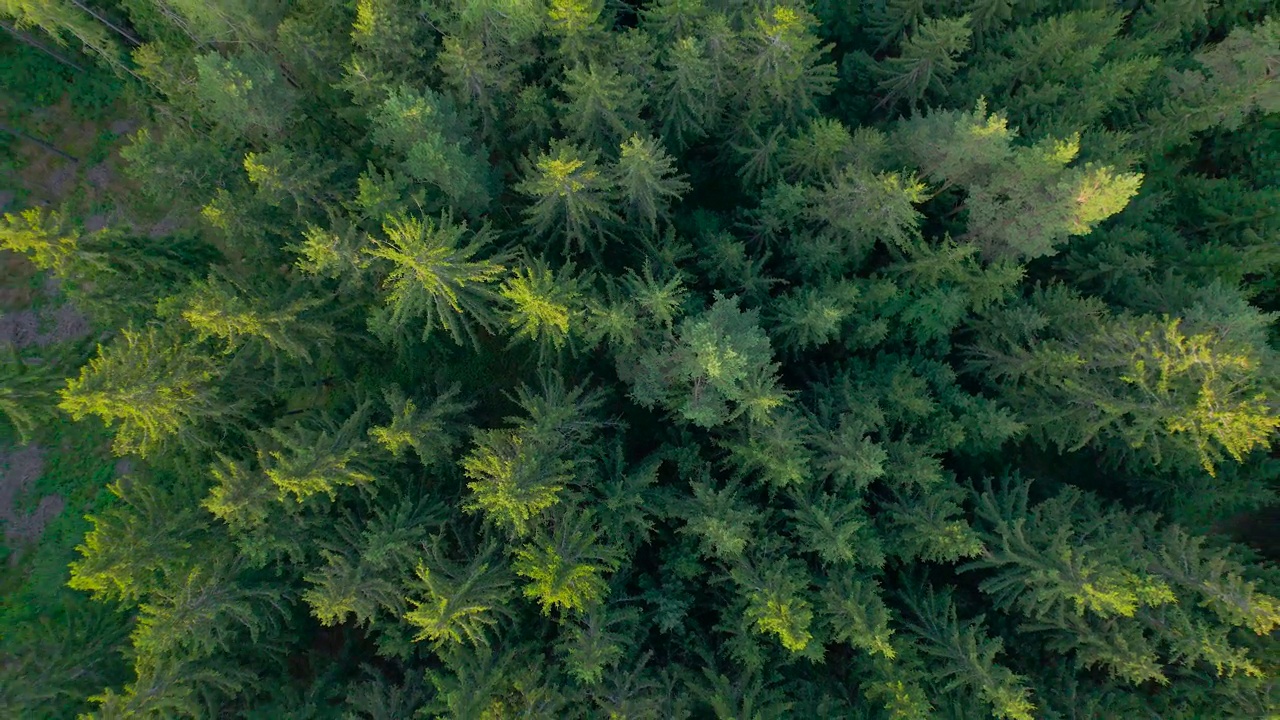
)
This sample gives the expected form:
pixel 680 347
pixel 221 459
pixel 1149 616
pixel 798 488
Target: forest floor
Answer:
pixel 19 468
pixel 47 486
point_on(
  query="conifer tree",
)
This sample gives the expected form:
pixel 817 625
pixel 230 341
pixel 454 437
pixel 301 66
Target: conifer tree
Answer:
pixel 809 317
pixel 783 62
pixel 602 106
pixel 216 309
pixel 1159 388
pixel 366 562
pixel 609 496
pixel 819 151
pixel 478 77
pixel 282 175
pixel 303 461
pixel 433 143
pixel 565 566
pixel 1022 201
pixel 520 472
pixel 1235 84
pixel 1114 588
pixel 249 505
pixel 388 33
pixel 578 24
pixel 431 431
pixel 150 388
pixel 44 238
pixel 965 654
pixel 571 197
pixel 28 388
pixel 462 602
pixel 776 603
pixel 513 481
pixel 721 521
pixel 688 98
pixel 927 60
pixel 545 306
pixel 647 181
pixel 135 545
pixel 596 642
pixel 203 612
pixel 433 277
pixel 63 18
pixel 854 608
pixel 245 94
pixel 718 367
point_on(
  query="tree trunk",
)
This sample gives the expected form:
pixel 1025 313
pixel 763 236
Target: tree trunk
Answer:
pixel 33 43
pixel 47 146
pixel 128 36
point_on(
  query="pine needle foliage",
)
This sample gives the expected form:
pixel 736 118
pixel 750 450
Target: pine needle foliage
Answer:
pixel 674 359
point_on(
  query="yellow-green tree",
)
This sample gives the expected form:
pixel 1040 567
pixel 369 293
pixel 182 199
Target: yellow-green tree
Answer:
pixel 150 387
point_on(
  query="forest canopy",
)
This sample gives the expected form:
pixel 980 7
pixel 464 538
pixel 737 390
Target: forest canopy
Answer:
pixel 883 360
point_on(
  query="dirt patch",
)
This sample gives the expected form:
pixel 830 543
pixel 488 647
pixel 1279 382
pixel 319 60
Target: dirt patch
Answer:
pixel 164 227
pixel 51 287
pixel 62 181
pixel 19 468
pixel 28 328
pixel 68 324
pixel 100 176
pixel 26 529
pixel 19 329
pixel 15 277
pixel 96 222
pixel 124 126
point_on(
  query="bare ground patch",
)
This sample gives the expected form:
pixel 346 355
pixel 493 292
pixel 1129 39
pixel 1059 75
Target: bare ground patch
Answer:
pixel 44 327
pixel 19 468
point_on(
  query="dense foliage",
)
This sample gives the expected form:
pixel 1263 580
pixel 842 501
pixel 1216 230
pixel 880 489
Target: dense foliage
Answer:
pixel 689 358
